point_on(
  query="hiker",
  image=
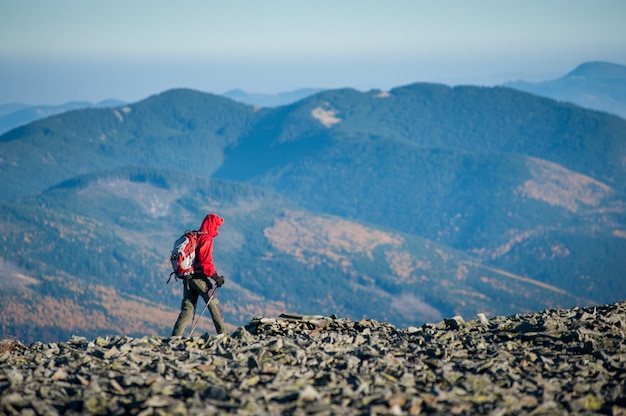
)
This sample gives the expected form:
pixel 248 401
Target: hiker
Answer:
pixel 199 284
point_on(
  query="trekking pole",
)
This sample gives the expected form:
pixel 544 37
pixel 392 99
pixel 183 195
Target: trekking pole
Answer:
pixel 193 327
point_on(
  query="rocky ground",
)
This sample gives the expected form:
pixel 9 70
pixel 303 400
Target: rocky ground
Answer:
pixel 552 362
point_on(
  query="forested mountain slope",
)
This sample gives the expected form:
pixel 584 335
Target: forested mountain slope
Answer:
pixel 424 200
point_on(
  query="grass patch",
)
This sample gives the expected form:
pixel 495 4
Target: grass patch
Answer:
pixel 10 345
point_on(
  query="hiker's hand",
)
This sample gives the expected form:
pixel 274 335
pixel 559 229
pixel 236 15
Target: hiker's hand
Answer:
pixel 219 280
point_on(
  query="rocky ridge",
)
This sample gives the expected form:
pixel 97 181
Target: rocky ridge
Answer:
pixel 570 361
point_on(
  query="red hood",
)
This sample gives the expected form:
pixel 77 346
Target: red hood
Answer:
pixel 210 224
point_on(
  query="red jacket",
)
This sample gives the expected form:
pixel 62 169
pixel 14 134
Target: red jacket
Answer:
pixel 204 249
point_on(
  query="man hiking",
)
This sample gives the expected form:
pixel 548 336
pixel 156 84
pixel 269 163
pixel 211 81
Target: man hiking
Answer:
pixel 199 284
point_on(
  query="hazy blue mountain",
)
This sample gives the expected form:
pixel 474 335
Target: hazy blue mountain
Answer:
pixel 427 200
pixel 179 129
pixel 596 85
pixel 11 107
pixel 474 120
pixel 270 100
pixel 14 114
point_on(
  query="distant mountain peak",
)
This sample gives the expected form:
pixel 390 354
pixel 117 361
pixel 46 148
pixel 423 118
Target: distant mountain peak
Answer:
pixel 596 85
pixel 599 69
pixel 270 99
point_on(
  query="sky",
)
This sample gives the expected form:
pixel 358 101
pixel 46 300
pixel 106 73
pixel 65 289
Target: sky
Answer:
pixel 52 52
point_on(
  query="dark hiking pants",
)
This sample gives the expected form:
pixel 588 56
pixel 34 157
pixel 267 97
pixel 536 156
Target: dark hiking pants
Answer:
pixel 194 288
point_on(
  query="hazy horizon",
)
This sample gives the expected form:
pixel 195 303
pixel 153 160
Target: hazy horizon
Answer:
pixel 69 50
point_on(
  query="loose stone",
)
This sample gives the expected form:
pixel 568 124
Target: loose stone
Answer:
pixel 551 362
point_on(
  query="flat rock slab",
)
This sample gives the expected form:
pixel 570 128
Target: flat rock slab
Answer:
pixel 555 362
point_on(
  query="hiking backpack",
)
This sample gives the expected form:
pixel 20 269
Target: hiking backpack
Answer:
pixel 184 254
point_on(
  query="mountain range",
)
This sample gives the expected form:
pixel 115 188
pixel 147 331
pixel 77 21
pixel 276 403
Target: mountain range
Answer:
pixel 268 99
pixel 15 114
pixel 596 85
pixel 405 205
